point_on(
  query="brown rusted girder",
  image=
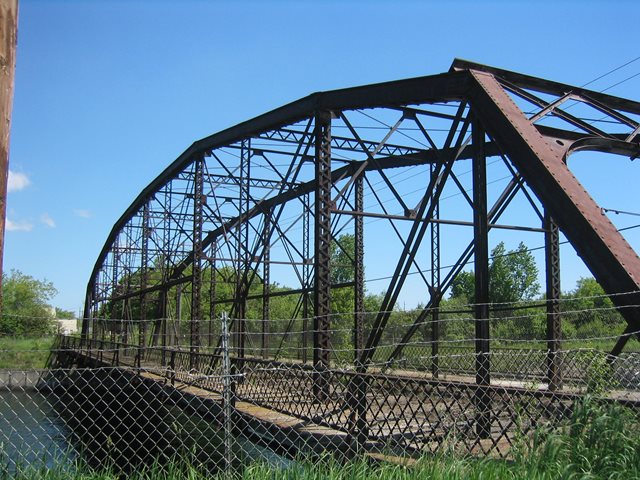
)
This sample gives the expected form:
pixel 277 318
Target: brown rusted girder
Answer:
pixel 542 163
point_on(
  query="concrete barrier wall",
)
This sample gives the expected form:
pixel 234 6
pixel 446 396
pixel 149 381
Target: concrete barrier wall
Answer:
pixel 19 380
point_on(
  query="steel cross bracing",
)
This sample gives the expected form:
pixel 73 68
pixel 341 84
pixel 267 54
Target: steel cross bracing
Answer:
pixel 262 211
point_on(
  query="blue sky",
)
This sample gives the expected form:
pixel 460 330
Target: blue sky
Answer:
pixel 108 93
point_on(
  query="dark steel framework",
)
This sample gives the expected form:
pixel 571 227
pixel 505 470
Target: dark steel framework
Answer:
pixel 270 198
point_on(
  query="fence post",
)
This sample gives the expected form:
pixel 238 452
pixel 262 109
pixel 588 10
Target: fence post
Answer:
pixel 172 366
pixel 358 428
pixel 227 394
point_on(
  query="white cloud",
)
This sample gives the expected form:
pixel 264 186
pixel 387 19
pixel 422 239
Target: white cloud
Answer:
pixel 47 220
pixel 17 181
pixel 83 213
pixel 20 226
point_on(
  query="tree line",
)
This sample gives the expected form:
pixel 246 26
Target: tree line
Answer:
pixel 514 292
pixel 517 306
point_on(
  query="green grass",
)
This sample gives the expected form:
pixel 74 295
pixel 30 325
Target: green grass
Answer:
pixel 600 442
pixel 24 353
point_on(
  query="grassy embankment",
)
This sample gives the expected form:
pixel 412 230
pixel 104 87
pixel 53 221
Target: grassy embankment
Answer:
pixel 24 353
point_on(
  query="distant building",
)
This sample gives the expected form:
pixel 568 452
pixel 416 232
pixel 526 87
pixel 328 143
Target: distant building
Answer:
pixel 67 326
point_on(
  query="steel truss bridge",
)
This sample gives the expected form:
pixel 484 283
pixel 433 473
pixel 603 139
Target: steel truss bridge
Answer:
pixel 414 174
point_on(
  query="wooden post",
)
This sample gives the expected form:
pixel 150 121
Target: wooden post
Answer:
pixel 8 40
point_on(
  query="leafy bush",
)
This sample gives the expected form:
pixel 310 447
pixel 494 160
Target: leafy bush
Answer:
pixel 25 309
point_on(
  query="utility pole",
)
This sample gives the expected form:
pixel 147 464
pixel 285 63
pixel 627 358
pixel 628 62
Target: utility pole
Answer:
pixel 8 40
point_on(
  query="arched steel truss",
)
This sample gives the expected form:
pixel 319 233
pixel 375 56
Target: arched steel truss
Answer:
pixel 266 199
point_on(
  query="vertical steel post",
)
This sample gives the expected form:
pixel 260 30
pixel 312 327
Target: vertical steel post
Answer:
pixel 162 311
pixel 196 268
pixel 144 273
pixel 322 253
pixel 554 332
pixel 114 291
pixel 481 258
pixel 84 331
pixel 94 327
pixel 358 287
pixel 227 394
pixel 126 318
pixel 213 282
pixel 266 284
pixel 156 337
pixel 359 384
pixel 435 282
pixel 177 324
pixel 242 246
pixel 166 239
pixel 306 276
pixel 113 323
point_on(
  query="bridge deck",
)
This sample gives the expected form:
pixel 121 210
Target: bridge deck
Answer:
pixel 267 424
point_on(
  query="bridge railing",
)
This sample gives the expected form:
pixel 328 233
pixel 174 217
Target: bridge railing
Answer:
pixel 118 397
pixel 424 399
pixel 400 408
pixel 528 365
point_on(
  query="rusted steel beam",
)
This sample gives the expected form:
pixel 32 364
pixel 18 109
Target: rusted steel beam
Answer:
pixel 306 275
pixel 434 88
pixel 144 276
pixel 266 284
pixel 547 86
pixel 322 254
pixel 359 307
pixel 494 214
pixel 242 261
pixel 435 293
pixel 196 283
pixel 481 271
pixel 552 272
pixel 613 262
pixel 213 287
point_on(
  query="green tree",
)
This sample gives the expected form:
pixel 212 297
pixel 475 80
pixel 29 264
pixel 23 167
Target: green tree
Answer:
pixel 513 277
pixel 455 318
pixel 342 271
pixel 463 287
pixel 591 311
pixel 342 265
pixel 64 314
pixel 26 309
pixel 342 258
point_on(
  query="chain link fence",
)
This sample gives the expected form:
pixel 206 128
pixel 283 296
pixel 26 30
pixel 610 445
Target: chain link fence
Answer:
pixel 124 405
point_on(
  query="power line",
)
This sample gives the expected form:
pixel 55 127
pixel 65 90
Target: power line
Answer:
pixel 621 81
pixel 620 212
pixel 610 72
